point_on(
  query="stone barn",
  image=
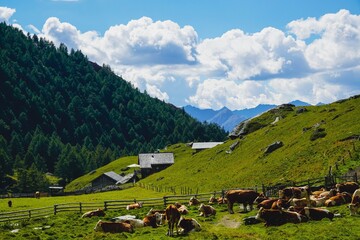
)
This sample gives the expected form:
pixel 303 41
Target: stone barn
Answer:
pixel 154 162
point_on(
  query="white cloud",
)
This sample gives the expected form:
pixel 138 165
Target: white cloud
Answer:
pixel 6 13
pixel 237 69
pixel 338 42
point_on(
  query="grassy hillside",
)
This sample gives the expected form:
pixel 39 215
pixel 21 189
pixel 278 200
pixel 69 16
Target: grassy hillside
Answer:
pixel 300 157
pixel 115 166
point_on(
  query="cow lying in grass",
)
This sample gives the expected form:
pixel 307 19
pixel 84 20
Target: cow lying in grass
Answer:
pixel 98 213
pixel 134 206
pixel 187 225
pixel 206 210
pixel 113 227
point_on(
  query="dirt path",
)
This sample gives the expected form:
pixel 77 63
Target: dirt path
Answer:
pixel 230 223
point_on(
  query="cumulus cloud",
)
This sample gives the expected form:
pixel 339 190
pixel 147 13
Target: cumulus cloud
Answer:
pixel 6 13
pixel 316 60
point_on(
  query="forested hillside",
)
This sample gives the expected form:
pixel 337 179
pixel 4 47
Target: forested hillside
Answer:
pixel 63 114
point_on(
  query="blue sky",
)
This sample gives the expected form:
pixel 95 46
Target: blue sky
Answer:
pixel 210 54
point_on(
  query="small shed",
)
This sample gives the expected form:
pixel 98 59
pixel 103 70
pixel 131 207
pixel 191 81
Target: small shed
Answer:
pixel 154 162
pixel 199 146
pixel 108 178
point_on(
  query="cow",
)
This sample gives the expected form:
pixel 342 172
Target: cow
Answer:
pixel 10 203
pixel 173 217
pixel 355 203
pixel 339 199
pixel 193 201
pixel 267 203
pixel 280 204
pixel 212 199
pixel 206 210
pixel 251 220
pixel 261 198
pixel 222 200
pixel 349 187
pixel 246 197
pixel 95 213
pixel 294 192
pixel 187 225
pixel 153 211
pixel 328 194
pixel 316 214
pixel 113 227
pixel 131 219
pixel 277 217
pixel 134 206
pixel 153 220
pixel 37 194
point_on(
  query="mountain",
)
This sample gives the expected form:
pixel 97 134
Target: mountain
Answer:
pixel 228 119
pixel 63 114
pixel 224 117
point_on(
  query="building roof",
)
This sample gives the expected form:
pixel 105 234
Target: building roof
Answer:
pixel 148 159
pixel 113 175
pixel 126 178
pixel 205 145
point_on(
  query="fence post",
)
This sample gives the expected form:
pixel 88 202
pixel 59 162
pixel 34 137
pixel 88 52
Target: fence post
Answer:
pixel 55 209
pixel 80 207
pixel 355 177
pixel 165 200
pixel 105 205
pixel 29 213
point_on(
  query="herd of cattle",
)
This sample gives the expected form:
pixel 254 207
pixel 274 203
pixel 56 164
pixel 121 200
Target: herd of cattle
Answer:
pixel 294 205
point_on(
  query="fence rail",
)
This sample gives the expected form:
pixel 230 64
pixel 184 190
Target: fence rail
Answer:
pixel 26 214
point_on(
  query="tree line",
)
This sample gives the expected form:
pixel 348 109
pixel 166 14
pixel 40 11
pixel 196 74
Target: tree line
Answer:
pixel 64 114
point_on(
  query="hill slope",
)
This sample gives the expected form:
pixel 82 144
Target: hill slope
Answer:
pixel 64 114
pixel 302 155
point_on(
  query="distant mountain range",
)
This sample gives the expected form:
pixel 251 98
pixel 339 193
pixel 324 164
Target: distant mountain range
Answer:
pixel 228 119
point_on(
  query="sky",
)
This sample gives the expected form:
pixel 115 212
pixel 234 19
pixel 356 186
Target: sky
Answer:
pixel 210 53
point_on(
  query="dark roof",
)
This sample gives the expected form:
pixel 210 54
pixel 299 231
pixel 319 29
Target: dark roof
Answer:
pixel 205 145
pixel 148 159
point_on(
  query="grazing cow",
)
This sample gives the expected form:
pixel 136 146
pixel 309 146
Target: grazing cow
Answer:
pixel 113 227
pixel 267 203
pixel 187 225
pixel 193 201
pixel 349 187
pixel 153 220
pixel 246 197
pixel 339 199
pixel 276 217
pixel 173 217
pixel 294 192
pixel 37 194
pixel 316 213
pixel 95 213
pixel 206 210
pixel 355 203
pixel 134 206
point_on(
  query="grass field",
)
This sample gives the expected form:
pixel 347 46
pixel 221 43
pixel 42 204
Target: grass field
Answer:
pixel 222 226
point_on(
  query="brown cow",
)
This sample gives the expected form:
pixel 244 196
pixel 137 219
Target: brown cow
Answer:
pixel 246 197
pixel 134 206
pixel 280 204
pixel 316 214
pixel 277 217
pixel 188 224
pixel 294 192
pixel 339 199
pixel 267 203
pixel 173 217
pixel 355 203
pixel 153 220
pixel 113 227
pixel 206 210
pixel 349 187
pixel 193 201
pixel 98 213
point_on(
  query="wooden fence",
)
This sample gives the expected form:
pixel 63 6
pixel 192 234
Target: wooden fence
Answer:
pixel 26 214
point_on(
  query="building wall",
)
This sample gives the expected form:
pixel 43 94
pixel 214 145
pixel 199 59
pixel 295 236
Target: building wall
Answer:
pixel 102 181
